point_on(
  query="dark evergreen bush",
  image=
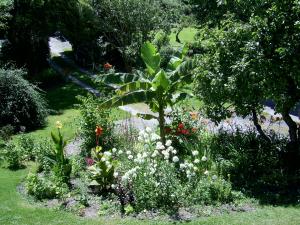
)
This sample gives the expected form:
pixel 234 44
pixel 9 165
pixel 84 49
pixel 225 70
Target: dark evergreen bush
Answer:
pixel 21 104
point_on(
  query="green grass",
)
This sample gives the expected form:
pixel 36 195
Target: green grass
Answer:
pixel 14 209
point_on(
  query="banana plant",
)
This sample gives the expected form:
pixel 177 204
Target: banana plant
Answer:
pixel 156 86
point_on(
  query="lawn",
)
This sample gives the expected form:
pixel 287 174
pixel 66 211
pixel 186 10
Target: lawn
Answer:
pixel 14 209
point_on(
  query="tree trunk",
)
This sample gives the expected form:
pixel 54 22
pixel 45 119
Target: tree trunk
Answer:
pixel 293 130
pixel 161 120
pixel 258 126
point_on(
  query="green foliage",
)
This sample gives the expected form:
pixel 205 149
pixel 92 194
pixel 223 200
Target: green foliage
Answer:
pixel 13 156
pixel 245 63
pixel 45 187
pixel 102 170
pixel 60 163
pixel 21 102
pixel 5 7
pixel 93 115
pixel 126 25
pixel 267 171
pixel 158 87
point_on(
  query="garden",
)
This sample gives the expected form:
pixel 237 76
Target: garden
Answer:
pixel 149 112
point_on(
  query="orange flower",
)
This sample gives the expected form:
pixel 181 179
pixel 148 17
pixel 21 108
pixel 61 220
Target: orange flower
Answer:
pixel 99 131
pixel 107 66
pixel 194 115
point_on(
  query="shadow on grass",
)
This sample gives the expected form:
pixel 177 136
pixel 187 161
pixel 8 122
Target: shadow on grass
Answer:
pixel 63 96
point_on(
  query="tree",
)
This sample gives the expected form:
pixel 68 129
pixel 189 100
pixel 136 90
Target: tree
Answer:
pixel 5 7
pixel 158 87
pixel 246 63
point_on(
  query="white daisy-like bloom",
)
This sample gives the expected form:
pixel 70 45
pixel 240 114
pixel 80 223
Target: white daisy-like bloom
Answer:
pixel 103 159
pixel 130 157
pixel 214 177
pixel 195 168
pixel 195 153
pixel 154 154
pixel 168 143
pixel 196 161
pixel 159 143
pixel 113 186
pixel 193 174
pixel 108 154
pixel 170 148
pixel 154 137
pixel 116 174
pixel 182 166
pixel 167 156
pixel 145 155
pixel 161 147
pixel 188 172
pixel 120 152
pixel 174 151
pixel 152 170
pixel 190 165
pixel 109 166
pixel 128 152
pixel 148 130
pixel 206 172
pixel 175 159
pixel 204 158
pixel 114 150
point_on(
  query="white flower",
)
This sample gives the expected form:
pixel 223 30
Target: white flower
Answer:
pixel 214 177
pixel 155 153
pixel 142 133
pixel 159 144
pixel 206 172
pixel 182 166
pixel 154 137
pixel 170 149
pixel 108 154
pixel 174 151
pixel 167 156
pixel 113 186
pixel 114 150
pixel 144 155
pixel 161 147
pixel 190 165
pixel 196 161
pixel 204 158
pixel 103 159
pixel 140 138
pixel 152 170
pixel 168 143
pixel 195 168
pixel 120 152
pixel 128 152
pixel 175 159
pixel 188 172
pixel 116 174
pixel 148 130
pixel 130 157
pixel 195 153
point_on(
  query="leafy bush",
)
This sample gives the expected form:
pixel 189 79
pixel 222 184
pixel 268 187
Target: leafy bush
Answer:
pixel 91 116
pixel 13 156
pixel 21 103
pixel 160 178
pixel 257 166
pixel 43 187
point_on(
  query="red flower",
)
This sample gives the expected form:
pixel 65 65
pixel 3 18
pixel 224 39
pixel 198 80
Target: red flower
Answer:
pixel 99 131
pixel 107 66
pixel 185 132
pixel 89 161
pixel 180 126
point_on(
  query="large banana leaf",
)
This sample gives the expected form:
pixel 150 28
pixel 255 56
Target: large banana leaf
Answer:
pixel 151 58
pixel 135 86
pixel 161 80
pixel 184 69
pixel 129 98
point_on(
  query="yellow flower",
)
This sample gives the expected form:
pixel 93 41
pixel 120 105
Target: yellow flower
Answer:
pixel 58 125
pixel 194 115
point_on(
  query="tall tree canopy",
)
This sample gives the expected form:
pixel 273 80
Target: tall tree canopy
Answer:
pixel 246 62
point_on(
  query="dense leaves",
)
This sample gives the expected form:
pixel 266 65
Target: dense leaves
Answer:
pixel 21 102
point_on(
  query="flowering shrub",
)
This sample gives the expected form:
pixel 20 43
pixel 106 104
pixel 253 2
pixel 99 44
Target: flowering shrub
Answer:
pixel 92 116
pixel 161 178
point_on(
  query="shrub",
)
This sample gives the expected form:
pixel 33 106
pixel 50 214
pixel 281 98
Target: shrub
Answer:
pixel 255 165
pixel 13 155
pixel 21 103
pixel 92 116
pixel 45 187
pixel 160 178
